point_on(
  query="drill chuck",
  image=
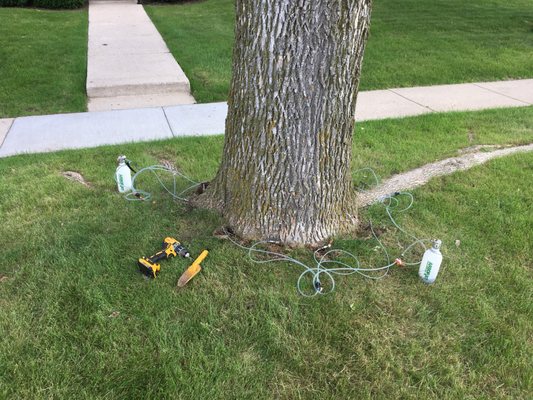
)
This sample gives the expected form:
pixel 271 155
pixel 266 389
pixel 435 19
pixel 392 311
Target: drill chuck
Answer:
pixel 182 251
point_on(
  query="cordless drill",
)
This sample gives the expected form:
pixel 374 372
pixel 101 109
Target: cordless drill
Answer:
pixel 171 248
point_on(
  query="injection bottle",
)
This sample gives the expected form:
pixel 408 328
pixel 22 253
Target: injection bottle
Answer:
pixel 430 265
pixel 123 175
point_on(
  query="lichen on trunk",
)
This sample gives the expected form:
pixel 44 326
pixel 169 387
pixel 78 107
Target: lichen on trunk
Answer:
pixel 285 173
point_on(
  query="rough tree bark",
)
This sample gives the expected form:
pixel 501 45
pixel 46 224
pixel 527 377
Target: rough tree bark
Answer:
pixel 285 173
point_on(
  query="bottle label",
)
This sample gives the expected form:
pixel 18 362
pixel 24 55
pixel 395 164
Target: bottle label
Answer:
pixel 427 271
pixel 121 181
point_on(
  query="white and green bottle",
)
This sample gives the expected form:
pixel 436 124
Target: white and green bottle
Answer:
pixel 123 175
pixel 430 265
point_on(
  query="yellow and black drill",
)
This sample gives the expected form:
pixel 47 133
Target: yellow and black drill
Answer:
pixel 171 248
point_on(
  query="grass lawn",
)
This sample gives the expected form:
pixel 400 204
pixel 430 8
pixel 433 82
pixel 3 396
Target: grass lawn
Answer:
pixel 412 42
pixel 43 59
pixel 78 321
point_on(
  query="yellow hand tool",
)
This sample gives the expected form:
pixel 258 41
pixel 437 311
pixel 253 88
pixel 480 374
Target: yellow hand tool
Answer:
pixel 192 270
pixel 171 248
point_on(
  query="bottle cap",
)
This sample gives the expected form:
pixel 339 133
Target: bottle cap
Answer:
pixel 437 243
pixel 121 159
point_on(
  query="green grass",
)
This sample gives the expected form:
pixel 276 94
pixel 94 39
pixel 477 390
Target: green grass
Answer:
pixel 200 36
pixel 240 330
pixel 43 58
pixel 412 42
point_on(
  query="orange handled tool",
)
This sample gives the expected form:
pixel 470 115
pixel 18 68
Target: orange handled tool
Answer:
pixel 192 270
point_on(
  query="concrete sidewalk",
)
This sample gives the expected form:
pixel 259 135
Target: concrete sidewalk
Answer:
pixel 128 63
pixel 71 131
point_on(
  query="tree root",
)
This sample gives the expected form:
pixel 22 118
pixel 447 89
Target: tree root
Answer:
pixel 420 176
pixel 76 177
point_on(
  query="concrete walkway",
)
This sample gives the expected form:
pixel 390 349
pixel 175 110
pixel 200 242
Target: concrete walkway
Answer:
pixel 71 131
pixel 128 63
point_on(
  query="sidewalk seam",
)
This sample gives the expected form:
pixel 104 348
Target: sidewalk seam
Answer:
pixel 7 133
pixel 168 122
pixel 412 101
pixel 501 94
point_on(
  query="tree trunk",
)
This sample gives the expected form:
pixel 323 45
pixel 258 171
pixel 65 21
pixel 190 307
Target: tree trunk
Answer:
pixel 285 173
